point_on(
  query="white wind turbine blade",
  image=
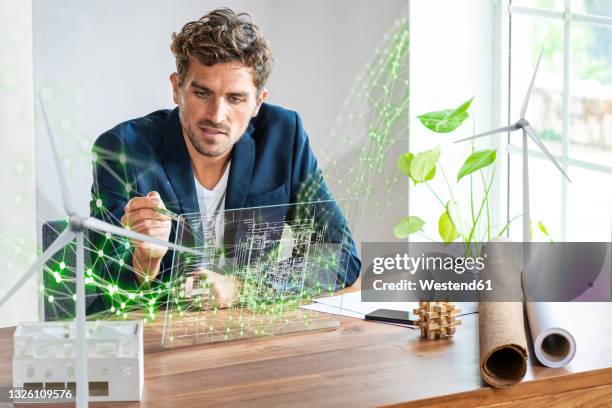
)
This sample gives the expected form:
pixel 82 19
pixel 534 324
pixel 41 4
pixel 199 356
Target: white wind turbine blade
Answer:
pixel 542 147
pixel 526 101
pixel 508 128
pixel 98 225
pixel 58 244
pixel 60 172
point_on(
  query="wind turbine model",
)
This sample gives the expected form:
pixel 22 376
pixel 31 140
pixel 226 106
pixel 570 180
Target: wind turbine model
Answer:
pixel 523 124
pixel 77 224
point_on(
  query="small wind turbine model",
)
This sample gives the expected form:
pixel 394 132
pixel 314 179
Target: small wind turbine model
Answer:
pixel 77 224
pixel 523 124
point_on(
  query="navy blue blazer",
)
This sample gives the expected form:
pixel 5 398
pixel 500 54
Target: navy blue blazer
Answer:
pixel 272 164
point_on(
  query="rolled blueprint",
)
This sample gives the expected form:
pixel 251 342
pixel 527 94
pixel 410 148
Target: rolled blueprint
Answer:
pixel 553 344
pixel 503 344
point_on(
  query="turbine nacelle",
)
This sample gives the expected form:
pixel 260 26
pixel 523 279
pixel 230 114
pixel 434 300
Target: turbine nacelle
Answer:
pixel 76 223
pixel 522 123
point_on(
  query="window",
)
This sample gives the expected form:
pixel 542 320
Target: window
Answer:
pixel 571 110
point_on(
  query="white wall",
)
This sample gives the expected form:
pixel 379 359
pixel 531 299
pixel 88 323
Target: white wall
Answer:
pixel 17 192
pixel 452 53
pixel 100 63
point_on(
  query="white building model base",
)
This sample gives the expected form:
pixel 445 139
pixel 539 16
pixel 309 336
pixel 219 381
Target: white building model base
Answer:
pixel 44 357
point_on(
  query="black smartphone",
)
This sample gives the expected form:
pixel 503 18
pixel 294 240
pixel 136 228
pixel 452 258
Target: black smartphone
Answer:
pixel 393 316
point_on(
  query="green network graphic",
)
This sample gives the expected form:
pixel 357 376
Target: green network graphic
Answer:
pixel 370 132
pixel 372 122
pixel 282 257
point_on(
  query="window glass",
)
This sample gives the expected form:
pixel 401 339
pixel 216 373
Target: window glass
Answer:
pixel 544 194
pixel 544 4
pixel 590 127
pixel 594 7
pixel 531 35
pixel 589 206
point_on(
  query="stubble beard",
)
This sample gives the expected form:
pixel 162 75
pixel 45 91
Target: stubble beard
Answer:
pixel 206 149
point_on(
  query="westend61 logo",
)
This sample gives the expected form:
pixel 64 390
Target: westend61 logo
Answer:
pixel 411 264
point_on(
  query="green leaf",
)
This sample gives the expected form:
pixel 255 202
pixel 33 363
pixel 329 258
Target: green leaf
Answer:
pixel 447 230
pixel 477 161
pixel 423 165
pixel 454 213
pixel 403 163
pixel 407 226
pixel 542 228
pixel 446 120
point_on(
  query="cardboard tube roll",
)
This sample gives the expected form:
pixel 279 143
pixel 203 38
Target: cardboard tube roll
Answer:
pixel 503 343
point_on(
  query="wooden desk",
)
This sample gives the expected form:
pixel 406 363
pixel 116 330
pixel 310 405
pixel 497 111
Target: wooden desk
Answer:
pixel 361 364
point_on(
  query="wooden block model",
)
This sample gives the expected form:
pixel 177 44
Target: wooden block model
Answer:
pixel 437 319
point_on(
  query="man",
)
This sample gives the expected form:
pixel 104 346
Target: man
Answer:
pixel 221 148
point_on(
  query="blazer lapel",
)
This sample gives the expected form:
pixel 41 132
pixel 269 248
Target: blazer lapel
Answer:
pixel 241 170
pixel 177 164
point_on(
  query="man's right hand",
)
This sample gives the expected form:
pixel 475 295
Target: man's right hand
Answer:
pixel 141 217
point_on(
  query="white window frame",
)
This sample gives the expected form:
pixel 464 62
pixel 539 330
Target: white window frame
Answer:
pixel 568 18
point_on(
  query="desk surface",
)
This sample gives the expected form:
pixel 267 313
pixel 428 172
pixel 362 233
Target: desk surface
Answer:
pixel 361 364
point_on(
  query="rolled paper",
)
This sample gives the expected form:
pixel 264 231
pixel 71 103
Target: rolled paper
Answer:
pixel 549 323
pixel 503 343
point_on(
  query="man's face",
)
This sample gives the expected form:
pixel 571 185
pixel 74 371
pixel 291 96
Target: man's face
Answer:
pixel 216 104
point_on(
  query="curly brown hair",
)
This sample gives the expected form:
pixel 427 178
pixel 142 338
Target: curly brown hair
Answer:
pixel 223 36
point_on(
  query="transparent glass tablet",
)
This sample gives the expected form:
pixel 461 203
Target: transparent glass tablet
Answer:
pixel 259 267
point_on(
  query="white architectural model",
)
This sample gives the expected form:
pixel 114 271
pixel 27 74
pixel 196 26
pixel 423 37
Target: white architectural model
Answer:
pixel 44 357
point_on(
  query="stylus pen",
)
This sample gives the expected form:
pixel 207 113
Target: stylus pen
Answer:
pixel 167 213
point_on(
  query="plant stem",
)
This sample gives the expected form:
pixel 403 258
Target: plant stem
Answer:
pixel 472 199
pixel 434 193
pixel 471 179
pixel 484 184
pixel 481 206
pixel 447 183
pixel 507 225
pixel 426 237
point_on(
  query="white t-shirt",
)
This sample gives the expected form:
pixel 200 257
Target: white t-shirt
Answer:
pixel 212 202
